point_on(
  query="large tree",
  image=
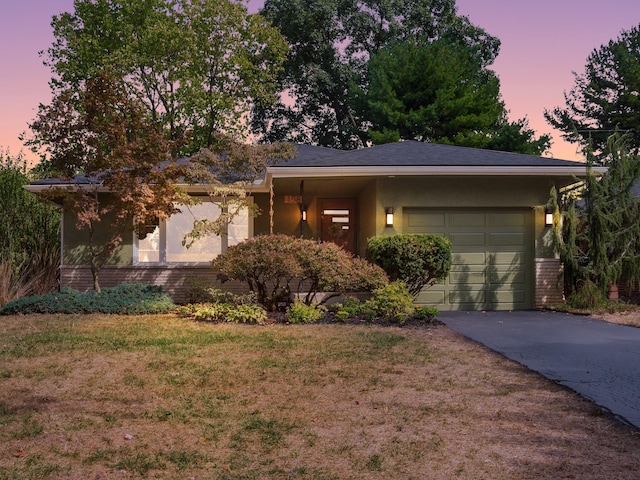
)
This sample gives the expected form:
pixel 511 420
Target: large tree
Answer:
pixel 332 43
pixel 605 98
pixel 197 65
pixel 116 158
pixel 599 236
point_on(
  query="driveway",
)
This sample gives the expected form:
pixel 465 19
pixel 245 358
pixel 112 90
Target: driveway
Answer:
pixel 598 360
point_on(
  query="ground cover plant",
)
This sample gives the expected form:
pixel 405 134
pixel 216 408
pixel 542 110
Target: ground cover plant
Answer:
pixel 163 396
pixel 124 299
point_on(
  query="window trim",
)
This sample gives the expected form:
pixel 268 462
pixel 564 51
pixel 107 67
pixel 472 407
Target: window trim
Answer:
pixel 162 257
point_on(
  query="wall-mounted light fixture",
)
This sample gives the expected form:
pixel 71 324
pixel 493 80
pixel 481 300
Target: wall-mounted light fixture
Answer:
pixel 548 217
pixel 388 217
pixel 304 213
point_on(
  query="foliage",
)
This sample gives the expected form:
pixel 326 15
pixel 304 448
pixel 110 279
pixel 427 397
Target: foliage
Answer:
pixel 599 238
pixel 202 292
pixel 341 50
pixel 125 299
pixel 225 171
pixel 107 136
pixel 392 302
pixel 276 266
pixel 588 296
pixel 351 307
pixel 415 92
pixel 30 240
pixel 417 260
pixel 300 312
pixel 197 65
pixel 605 97
pixel 226 312
pixel 426 313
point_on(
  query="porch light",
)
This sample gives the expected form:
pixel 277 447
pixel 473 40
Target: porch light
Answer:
pixel 388 217
pixel 548 217
pixel 304 213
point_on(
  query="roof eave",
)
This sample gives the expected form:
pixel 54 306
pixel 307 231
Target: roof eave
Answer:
pixel 359 171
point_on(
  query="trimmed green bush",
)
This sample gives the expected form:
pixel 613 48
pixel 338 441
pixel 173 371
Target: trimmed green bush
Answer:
pixel 417 260
pixel 277 266
pixel 300 312
pixel 125 299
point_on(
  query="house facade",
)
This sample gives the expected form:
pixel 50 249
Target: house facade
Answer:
pixel 489 204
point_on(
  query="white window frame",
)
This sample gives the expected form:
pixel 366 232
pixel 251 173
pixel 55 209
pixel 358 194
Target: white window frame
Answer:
pixel 162 261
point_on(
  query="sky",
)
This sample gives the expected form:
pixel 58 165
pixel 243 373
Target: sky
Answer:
pixel 543 42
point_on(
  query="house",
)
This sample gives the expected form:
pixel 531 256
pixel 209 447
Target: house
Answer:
pixel 489 204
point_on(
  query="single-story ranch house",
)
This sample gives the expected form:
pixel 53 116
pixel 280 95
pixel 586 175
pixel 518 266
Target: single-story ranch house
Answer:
pixel 489 204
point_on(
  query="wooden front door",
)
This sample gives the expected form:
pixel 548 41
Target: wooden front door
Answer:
pixel 338 222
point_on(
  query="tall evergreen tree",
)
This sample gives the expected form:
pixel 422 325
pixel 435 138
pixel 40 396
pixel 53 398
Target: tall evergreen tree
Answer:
pixel 605 98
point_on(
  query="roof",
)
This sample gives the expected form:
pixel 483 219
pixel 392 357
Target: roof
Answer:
pixel 410 158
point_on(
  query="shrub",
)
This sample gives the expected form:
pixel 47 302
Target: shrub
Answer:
pixel 245 313
pixel 392 302
pixel 29 235
pixel 417 260
pixel 276 266
pixel 351 307
pixel 125 299
pixel 300 312
pixel 588 296
pixel 426 313
pixel 225 312
pixel 203 292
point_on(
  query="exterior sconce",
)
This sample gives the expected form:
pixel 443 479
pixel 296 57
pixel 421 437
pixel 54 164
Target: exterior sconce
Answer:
pixel 388 217
pixel 304 213
pixel 548 217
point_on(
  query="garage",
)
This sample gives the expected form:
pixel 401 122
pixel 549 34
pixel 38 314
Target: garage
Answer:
pixel 492 257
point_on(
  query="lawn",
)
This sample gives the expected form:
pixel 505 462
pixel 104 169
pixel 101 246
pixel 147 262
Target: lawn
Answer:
pixel 100 397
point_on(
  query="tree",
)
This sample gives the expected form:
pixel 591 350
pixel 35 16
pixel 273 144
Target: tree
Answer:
pixel 332 45
pixel 30 240
pixel 605 98
pixel 197 65
pixel 117 158
pixel 438 92
pixel 599 238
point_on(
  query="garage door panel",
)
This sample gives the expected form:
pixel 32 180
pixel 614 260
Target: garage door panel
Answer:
pixel 432 296
pixel 507 278
pixel 431 220
pixel 471 258
pixel 467 298
pixel 507 258
pixel 507 238
pixel 466 220
pixel 507 220
pixel 467 278
pixel 463 239
pixel 510 297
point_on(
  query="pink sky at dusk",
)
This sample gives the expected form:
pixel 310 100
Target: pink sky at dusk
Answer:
pixel 543 42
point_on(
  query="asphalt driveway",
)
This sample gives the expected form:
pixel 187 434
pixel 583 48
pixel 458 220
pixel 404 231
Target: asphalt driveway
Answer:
pixel 598 360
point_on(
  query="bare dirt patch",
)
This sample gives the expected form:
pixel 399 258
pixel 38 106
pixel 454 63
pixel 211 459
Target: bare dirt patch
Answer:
pixel 630 317
pixel 163 397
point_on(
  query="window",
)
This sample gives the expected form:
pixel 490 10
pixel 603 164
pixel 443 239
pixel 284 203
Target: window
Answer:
pixel 164 244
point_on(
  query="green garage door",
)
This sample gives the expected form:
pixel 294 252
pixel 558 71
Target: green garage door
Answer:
pixel 492 258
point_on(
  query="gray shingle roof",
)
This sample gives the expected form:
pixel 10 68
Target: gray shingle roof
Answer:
pixel 412 153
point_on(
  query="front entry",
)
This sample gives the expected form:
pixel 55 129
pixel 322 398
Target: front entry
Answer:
pixel 338 222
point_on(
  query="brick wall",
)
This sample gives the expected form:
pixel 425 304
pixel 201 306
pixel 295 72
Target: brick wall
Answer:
pixel 549 282
pixel 177 281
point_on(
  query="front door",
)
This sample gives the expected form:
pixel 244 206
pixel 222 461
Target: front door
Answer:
pixel 338 222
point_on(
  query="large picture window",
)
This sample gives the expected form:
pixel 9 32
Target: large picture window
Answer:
pixel 164 244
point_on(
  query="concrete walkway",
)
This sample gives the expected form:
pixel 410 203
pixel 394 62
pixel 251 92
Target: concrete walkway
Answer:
pixel 598 360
